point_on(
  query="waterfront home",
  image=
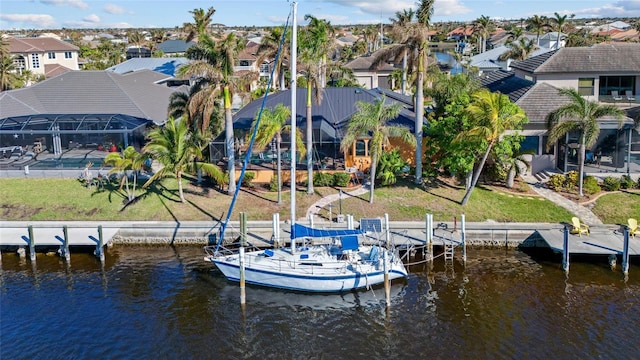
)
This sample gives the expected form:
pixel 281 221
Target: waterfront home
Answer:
pixel 44 56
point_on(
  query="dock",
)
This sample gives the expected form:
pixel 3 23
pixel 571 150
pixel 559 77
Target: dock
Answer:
pixel 599 242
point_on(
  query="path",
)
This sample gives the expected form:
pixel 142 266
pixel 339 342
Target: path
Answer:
pixel 586 215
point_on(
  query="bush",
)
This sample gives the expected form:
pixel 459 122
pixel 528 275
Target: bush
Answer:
pixel 571 180
pixel 611 184
pixel 248 178
pixel 523 187
pixel 556 181
pixel 341 179
pixel 391 163
pixel 322 179
pixel 273 183
pixel 626 182
pixel 590 185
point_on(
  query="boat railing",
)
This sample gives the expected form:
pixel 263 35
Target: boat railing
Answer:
pixel 226 249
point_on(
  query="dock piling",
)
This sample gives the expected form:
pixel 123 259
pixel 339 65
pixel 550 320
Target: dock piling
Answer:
pixel 625 253
pixel 565 250
pixel 463 236
pixel 32 244
pixel 100 247
pixel 64 250
pixel 387 287
pixel 243 242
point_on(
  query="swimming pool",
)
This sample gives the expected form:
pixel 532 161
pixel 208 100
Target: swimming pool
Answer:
pixel 68 163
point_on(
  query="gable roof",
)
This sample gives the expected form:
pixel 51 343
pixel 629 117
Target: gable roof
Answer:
pixel 167 66
pixel 92 92
pixel 331 115
pixel 608 57
pixel 175 46
pixel 38 44
pixel 539 101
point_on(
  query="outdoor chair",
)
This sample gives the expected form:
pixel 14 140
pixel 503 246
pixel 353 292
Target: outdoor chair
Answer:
pixel 615 95
pixel 578 227
pixel 630 96
pixel 633 227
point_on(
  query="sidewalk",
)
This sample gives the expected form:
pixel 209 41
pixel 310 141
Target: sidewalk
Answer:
pixel 578 210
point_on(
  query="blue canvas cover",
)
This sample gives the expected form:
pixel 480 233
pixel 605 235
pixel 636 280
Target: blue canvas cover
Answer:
pixel 305 231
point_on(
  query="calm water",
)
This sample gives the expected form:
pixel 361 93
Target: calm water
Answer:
pixel 165 302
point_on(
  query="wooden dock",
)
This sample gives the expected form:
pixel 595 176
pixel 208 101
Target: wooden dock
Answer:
pixel 599 242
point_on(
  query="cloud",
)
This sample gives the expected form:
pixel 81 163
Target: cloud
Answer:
pixel 388 8
pixel 450 7
pixel 41 21
pixel 114 9
pixel 75 3
pixel 93 18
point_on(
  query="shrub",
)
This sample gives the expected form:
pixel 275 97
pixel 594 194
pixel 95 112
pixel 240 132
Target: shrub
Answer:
pixel 273 183
pixel 571 180
pixel 391 163
pixel 611 184
pixel 322 179
pixel 590 185
pixel 248 178
pixel 626 182
pixel 341 179
pixel 523 186
pixel 556 181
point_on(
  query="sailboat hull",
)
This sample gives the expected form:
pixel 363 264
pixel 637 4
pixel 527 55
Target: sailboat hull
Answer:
pixel 315 269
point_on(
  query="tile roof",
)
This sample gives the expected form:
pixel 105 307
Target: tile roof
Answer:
pixel 38 44
pixel 92 92
pixel 608 57
pixel 506 83
pixel 167 66
pixel 175 46
pixel 364 63
pixel 539 101
pixel 51 70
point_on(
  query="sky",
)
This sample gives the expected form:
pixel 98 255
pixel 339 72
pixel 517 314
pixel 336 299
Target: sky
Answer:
pixel 57 14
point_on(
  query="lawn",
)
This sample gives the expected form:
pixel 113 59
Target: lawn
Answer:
pixel 616 208
pixel 67 199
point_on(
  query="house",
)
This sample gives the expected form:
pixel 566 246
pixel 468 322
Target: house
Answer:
pixel 168 66
pixel 369 77
pixel 594 72
pixel 44 56
pixel 138 52
pixel 248 63
pixel 490 59
pixel 84 109
pixel 174 48
pixel 329 121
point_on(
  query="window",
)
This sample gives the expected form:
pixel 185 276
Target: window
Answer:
pixel 361 148
pixel 52 55
pixel 618 83
pixel 244 62
pixel 68 55
pixel 35 61
pixel 585 86
pixel 530 143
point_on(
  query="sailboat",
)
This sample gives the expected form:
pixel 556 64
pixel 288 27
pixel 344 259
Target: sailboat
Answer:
pixel 328 260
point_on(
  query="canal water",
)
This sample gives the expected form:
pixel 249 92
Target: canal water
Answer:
pixel 167 303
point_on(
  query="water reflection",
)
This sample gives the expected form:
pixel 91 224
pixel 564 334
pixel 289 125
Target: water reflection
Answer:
pixel 166 300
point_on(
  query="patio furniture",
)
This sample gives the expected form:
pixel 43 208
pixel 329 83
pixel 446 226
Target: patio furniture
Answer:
pixel 630 96
pixel 633 227
pixel 579 227
pixel 615 95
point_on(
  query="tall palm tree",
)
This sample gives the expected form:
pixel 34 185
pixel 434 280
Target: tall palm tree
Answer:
pixel 314 45
pixel 492 114
pixel 579 115
pixel 519 50
pixel 558 23
pixel 269 49
pixel 372 119
pixel 177 149
pixel 537 24
pixel 273 123
pixel 8 73
pixel 199 107
pixel 483 25
pixel 200 25
pixel 399 26
pixel 136 38
pixel 130 160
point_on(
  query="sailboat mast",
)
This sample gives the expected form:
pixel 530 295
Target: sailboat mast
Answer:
pixel 294 117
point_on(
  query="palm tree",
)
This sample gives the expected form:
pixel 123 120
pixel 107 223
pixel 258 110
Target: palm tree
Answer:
pixel 537 24
pixel 201 22
pixel 199 107
pixel 137 39
pixel 269 48
pixel 273 125
pixel 314 45
pixel 516 164
pixel 129 160
pixel 558 23
pixel 519 50
pixel 483 25
pixel 579 115
pixel 371 119
pixel 493 114
pixel 177 149
pixel 215 62
pixel 8 71
pixel 399 26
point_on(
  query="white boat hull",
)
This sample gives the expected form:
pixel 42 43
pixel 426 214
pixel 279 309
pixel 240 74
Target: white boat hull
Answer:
pixel 315 269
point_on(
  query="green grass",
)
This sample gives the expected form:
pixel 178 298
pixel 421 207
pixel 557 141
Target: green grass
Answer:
pixel 617 207
pixel 67 199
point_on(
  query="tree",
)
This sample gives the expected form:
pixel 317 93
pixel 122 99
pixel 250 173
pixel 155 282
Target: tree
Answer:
pixel 492 114
pixel 579 115
pixel 129 161
pixel 137 39
pixel 537 24
pixel 558 23
pixel 372 119
pixel 483 25
pixel 399 26
pixel 273 125
pixel 201 22
pixel 177 149
pixel 519 50
pixel 199 107
pixel 515 163
pixel 269 48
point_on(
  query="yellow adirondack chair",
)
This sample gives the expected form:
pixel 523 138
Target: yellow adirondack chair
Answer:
pixel 579 227
pixel 633 227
